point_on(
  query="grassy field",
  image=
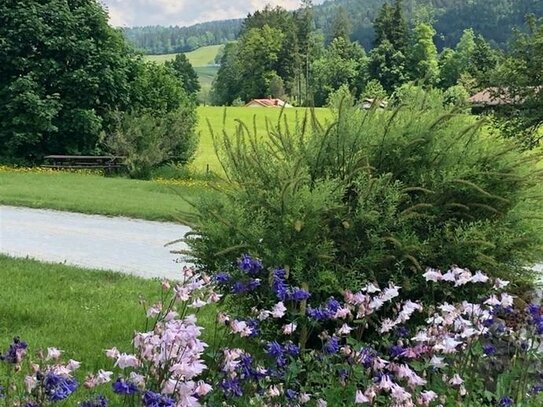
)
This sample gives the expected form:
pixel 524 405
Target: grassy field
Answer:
pixel 200 57
pixel 203 60
pixel 97 194
pixel 224 118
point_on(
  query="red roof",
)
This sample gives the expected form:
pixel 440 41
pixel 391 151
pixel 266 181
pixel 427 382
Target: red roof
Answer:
pixel 268 102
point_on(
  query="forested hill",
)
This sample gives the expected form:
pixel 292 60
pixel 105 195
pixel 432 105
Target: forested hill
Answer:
pixel 494 19
pixel 166 40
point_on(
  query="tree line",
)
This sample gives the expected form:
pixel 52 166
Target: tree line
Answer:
pixel 494 20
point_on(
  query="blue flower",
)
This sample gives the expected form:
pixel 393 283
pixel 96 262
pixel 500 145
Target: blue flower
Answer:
pixel 123 387
pixel 536 389
pixel 57 387
pixel 506 401
pixel 291 349
pixel 396 351
pixel 222 277
pixel 255 327
pixel 489 349
pixel 2 395
pixel 151 399
pixel 323 313
pixel 298 294
pixel 366 357
pixel 249 265
pixel 274 349
pixel 231 387
pixel 332 345
pixel 402 331
pixel 291 394
pixel 16 351
pixel 99 401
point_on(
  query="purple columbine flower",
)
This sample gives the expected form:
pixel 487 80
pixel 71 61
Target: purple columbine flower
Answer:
pixel 298 294
pixel 506 401
pixel 536 389
pixel 249 265
pixel 332 345
pixel 98 401
pixel 489 349
pixel 16 351
pixel 274 349
pixel 397 351
pixel 366 357
pixel 222 277
pixel 231 388
pixel 121 386
pixel 291 349
pixel 151 399
pixel 57 387
pixel 291 394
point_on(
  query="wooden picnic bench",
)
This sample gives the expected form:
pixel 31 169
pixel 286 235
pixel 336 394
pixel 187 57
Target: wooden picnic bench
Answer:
pixel 108 163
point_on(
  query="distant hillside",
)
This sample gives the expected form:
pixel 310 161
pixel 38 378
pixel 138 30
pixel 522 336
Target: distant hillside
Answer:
pixel 167 40
pixel 494 19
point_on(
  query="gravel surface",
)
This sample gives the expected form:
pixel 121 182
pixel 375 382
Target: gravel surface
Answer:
pixel 91 241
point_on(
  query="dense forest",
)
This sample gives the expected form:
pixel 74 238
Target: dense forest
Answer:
pixel 493 19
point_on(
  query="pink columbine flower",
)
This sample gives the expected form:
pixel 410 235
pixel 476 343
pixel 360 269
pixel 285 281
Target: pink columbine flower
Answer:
pixel 479 277
pixel 202 388
pixel 344 330
pixel 124 360
pixel 387 326
pixel 492 301
pixel 241 328
pixel 437 362
pixel 361 398
pixel 30 383
pixel 112 353
pixel 371 288
pixel 499 284
pixel 447 345
pixel 53 354
pixel 278 310
pixel 426 397
pixel 304 398
pixel 433 275
pixel 456 380
pixel 73 365
pixel 154 310
pixel 289 328
pixel 103 377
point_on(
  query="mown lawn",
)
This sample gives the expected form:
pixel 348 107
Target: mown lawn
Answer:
pixel 199 57
pixel 96 194
pixel 226 119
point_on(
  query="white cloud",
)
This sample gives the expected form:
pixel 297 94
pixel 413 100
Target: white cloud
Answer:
pixel 184 12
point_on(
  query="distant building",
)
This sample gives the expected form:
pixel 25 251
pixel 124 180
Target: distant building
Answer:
pixel 368 103
pixel 268 103
pixel 497 98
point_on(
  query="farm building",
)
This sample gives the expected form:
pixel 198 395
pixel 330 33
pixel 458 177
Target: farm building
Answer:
pixel 268 103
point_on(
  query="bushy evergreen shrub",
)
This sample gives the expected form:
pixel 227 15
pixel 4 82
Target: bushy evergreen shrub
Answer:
pixel 374 196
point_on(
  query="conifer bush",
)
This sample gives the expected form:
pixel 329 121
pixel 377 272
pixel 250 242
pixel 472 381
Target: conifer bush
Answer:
pixel 374 196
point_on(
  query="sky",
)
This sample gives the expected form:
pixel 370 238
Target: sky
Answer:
pixel 129 13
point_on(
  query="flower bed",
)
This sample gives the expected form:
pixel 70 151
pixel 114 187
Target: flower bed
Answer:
pixel 370 347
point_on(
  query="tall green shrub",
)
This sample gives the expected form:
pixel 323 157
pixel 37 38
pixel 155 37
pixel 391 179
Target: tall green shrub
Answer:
pixel 375 195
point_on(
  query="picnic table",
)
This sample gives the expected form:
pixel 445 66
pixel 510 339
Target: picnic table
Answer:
pixel 108 163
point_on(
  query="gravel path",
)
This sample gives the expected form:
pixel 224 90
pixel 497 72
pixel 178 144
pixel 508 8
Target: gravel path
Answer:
pixel 91 241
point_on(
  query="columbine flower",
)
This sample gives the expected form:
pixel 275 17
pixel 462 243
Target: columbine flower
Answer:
pixel 344 330
pixel 437 362
pixel 506 401
pixel 53 354
pixel 332 345
pixel 202 388
pixel 321 403
pixel 57 387
pixel 112 353
pixel 433 275
pixel 360 398
pixel 30 383
pixel 124 361
pixel 278 310
pixel 151 399
pixel 489 349
pixel 289 328
pixel 506 301
pixel 479 277
pixel 98 401
pixel 456 380
pixel 499 284
pixel 16 352
pixel 73 365
pixel 123 387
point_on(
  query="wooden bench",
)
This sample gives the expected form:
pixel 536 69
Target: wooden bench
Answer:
pixel 108 163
